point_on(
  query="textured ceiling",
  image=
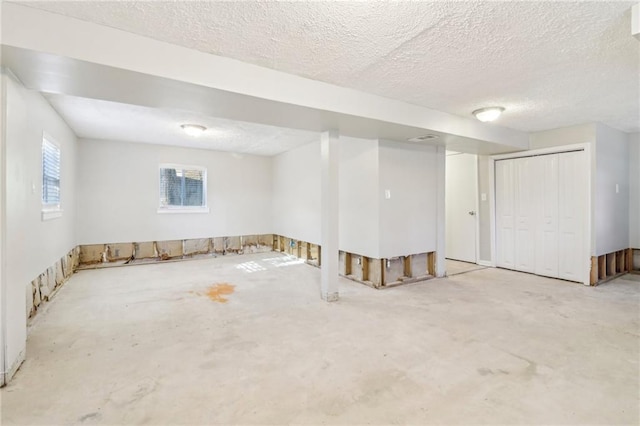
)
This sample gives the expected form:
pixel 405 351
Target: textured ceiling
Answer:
pixel 551 64
pixel 96 119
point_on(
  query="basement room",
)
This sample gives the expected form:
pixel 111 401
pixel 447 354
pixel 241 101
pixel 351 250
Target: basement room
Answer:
pixel 319 212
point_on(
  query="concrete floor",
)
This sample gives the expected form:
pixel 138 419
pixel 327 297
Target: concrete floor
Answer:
pixel 155 344
pixel 455 267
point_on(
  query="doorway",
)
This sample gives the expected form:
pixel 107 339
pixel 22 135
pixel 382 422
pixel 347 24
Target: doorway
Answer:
pixel 461 206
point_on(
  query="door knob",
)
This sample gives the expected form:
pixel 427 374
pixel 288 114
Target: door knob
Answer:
pixel 472 213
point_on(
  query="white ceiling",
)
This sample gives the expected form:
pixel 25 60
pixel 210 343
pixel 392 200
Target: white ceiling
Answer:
pixel 551 64
pixel 98 119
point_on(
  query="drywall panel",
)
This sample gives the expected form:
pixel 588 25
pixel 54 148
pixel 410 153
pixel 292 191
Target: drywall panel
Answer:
pixel 118 191
pixel 408 198
pixel 32 244
pixel 359 201
pixel 296 193
pixel 611 204
pixel 634 190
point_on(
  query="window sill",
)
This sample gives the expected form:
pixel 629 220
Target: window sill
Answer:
pixel 183 210
pixel 51 214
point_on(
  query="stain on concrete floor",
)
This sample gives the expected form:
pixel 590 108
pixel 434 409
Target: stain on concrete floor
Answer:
pixel 217 291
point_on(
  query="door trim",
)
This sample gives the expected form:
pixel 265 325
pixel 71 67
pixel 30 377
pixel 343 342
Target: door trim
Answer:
pixel 588 230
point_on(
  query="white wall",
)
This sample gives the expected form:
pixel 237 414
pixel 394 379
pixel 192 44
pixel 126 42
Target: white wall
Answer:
pixel 32 245
pixel 408 220
pixel 359 196
pixel 296 193
pixel 582 133
pixel 611 213
pixel 118 193
pixel 634 190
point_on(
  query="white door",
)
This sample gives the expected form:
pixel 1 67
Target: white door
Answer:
pixel 572 213
pixel 525 191
pixel 460 206
pixel 505 218
pixel 546 171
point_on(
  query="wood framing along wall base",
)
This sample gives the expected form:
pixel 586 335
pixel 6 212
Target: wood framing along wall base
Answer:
pixel 373 272
pixel 117 254
pixel 612 265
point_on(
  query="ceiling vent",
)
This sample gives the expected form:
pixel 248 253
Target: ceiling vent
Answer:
pixel 424 138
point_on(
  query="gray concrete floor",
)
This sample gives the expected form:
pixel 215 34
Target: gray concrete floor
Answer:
pixel 455 267
pixel 151 345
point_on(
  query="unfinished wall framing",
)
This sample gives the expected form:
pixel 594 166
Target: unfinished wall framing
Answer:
pixel 373 272
pixel 47 284
pixel 115 254
pixel 611 265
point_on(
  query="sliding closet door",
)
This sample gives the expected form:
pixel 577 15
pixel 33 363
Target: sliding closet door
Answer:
pixel 546 241
pixel 572 215
pixel 524 210
pixel 505 220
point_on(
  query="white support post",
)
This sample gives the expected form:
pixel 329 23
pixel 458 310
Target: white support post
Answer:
pixel 441 269
pixel 329 209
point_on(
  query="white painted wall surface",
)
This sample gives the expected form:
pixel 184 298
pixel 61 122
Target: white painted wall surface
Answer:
pixel 611 213
pixel 582 133
pixel 118 190
pixel 33 245
pixel 408 220
pixel 634 190
pixel 296 193
pixel 359 196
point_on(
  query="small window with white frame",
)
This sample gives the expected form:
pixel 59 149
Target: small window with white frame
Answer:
pixel 50 178
pixel 183 189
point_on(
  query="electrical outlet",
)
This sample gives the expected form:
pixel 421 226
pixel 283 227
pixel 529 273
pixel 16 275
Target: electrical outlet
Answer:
pixel 387 194
pixel 483 196
pixel 617 188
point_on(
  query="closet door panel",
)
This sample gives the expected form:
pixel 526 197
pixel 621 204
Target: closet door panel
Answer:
pixel 505 237
pixel 546 241
pixel 572 215
pixel 525 192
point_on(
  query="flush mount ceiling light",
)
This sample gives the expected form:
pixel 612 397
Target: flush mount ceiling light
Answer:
pixel 488 114
pixel 193 129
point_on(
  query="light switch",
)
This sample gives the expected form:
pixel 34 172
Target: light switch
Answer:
pixel 617 188
pixel 33 188
pixel 483 196
pixel 387 194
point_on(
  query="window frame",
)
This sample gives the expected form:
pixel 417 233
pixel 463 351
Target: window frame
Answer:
pixel 50 210
pixel 204 208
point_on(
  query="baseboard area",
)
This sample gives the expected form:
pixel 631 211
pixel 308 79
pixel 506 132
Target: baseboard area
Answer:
pixel 373 272
pixel 612 265
pixel 6 376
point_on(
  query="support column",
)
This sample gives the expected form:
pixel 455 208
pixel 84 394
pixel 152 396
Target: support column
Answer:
pixel 329 210
pixel 441 269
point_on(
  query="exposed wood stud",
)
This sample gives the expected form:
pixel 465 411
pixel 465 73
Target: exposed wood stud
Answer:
pixel 602 267
pixel 383 278
pixel 593 280
pixel 407 266
pixel 611 264
pixel 347 263
pixel 431 263
pixel 365 268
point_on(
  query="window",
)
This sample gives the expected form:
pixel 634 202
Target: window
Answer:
pixel 183 189
pixel 50 179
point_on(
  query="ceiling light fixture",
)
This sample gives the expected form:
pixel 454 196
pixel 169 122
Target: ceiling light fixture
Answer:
pixel 488 114
pixel 193 129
